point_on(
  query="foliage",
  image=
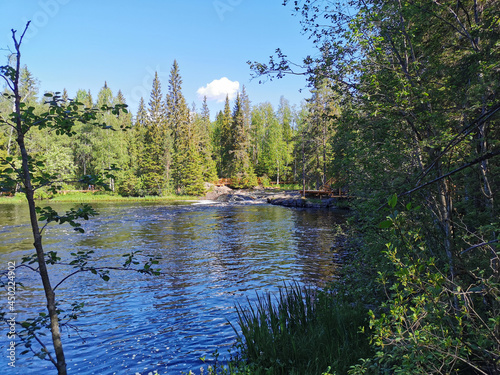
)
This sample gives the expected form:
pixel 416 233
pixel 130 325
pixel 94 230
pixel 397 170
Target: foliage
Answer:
pixel 31 172
pixel 205 145
pixel 240 169
pixel 302 331
pixel 186 138
pixel 431 323
pixel 416 85
pixel 156 151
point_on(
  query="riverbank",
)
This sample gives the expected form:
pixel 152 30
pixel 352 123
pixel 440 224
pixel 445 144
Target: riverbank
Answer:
pixel 97 196
pixel 286 198
pixel 222 194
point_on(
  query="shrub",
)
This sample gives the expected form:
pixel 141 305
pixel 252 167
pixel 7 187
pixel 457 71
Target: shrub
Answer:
pixel 433 322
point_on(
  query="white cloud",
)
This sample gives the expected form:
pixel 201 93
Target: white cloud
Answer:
pixel 219 88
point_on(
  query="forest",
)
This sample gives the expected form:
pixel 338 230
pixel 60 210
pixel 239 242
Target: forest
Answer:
pixel 403 113
pixel 168 147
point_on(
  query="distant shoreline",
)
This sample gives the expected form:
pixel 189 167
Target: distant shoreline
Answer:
pixel 100 197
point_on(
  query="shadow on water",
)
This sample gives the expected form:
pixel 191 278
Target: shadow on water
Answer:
pixel 213 256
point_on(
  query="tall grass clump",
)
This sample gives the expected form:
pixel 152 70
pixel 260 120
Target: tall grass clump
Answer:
pixel 301 331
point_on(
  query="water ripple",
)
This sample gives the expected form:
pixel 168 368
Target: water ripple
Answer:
pixel 213 257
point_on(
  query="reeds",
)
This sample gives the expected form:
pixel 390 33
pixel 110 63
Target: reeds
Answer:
pixel 301 331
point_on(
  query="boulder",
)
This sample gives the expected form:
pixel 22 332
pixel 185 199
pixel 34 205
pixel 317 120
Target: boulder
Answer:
pixel 216 191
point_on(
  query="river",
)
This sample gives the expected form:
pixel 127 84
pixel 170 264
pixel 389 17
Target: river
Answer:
pixel 213 256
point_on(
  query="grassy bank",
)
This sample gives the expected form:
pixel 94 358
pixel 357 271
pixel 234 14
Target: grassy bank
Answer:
pixel 89 197
pixel 300 331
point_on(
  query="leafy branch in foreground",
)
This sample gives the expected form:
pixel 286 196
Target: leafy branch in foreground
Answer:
pixel 59 115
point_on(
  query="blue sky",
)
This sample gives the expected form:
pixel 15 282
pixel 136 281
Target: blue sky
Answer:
pixel 79 44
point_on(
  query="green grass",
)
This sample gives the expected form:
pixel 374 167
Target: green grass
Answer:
pixel 290 187
pixel 78 197
pixel 18 198
pixel 301 331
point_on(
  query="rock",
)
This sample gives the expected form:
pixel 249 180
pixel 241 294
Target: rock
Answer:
pixel 216 191
pixel 227 198
pixel 300 202
pixel 288 199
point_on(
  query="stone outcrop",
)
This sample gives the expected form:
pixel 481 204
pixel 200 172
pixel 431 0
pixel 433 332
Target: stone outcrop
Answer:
pixel 214 192
pixel 236 197
pixel 302 202
pixel 224 194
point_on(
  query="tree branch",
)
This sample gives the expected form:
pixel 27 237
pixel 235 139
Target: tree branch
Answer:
pixel 487 156
pixel 104 269
pixel 460 137
pixel 479 245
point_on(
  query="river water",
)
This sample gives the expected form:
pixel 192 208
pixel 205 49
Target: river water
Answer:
pixel 213 256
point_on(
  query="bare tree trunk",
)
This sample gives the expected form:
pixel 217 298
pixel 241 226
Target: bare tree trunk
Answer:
pixel 445 211
pixel 277 173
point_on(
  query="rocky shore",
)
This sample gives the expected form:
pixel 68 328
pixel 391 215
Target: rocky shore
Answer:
pixel 299 201
pixel 290 198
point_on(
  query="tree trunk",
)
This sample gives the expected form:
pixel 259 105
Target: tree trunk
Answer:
pixel 49 293
pixel 29 191
pixel 303 167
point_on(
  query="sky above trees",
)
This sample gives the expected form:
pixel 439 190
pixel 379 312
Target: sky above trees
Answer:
pixel 78 45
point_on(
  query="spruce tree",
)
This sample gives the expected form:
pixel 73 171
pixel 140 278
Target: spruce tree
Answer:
pixel 205 144
pixel 225 120
pixel 216 139
pixel 241 170
pixel 65 96
pixel 187 161
pixel 176 108
pixel 155 154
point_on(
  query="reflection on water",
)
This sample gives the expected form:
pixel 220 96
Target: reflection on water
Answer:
pixel 213 256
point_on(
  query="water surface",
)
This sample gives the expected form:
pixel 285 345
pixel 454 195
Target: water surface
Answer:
pixel 212 257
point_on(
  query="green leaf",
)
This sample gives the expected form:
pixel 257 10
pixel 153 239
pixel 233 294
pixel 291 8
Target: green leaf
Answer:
pixel 385 224
pixel 393 200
